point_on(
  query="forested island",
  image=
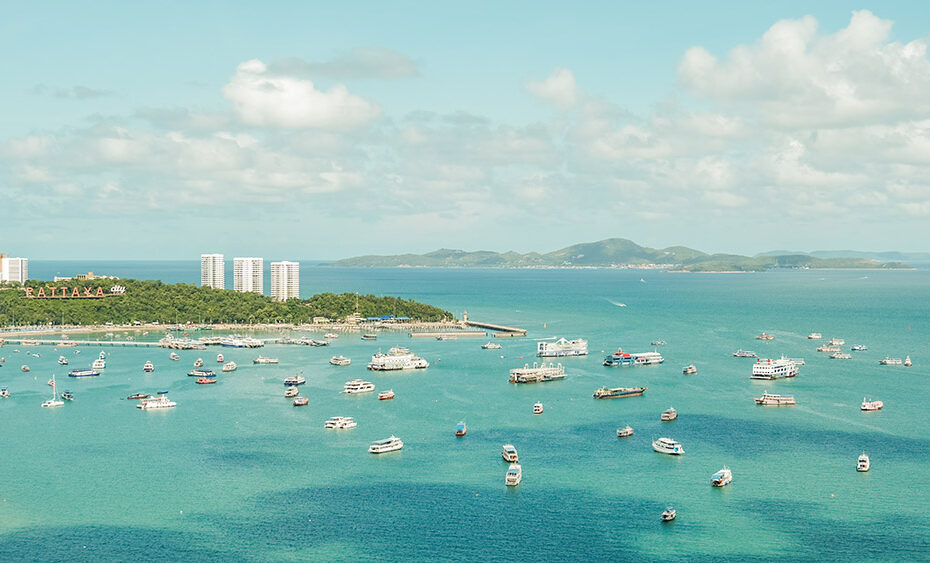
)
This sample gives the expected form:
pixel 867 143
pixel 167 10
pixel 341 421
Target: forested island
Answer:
pixel 155 301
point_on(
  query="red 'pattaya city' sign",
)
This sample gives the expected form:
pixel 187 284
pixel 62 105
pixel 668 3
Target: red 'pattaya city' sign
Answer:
pixel 64 292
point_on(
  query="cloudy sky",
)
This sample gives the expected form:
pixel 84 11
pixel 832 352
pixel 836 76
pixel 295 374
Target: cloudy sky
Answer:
pixel 324 130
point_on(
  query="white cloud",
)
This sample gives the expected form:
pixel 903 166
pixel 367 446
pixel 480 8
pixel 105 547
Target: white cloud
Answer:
pixel 281 101
pixel 558 88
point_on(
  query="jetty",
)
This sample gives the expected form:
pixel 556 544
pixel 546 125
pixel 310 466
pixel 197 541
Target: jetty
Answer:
pixel 500 330
pixel 457 334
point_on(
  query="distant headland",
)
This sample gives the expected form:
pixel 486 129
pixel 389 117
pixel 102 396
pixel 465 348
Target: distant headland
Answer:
pixel 623 253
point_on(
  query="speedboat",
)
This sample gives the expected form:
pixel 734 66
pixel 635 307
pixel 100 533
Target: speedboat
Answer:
pixel 138 396
pixel 509 453
pixel 229 366
pixel 4 393
pixel 99 363
pixel 658 343
pixel 859 348
pixel 514 475
pixel 67 395
pixel 814 336
pixel 721 478
pixel 174 356
pixel 294 380
pixel 765 336
pixel 669 514
pixel 62 361
pixel 689 369
pixel 391 444
pixel 870 405
pixel 205 381
pixel 907 361
pixel 491 346
pixel 291 391
pixel 24 367
pixel 537 408
pixel 301 401
pixel 149 367
pixel 625 432
pixel 864 463
pixel 386 395
pixel 667 446
pixel 340 360
pixel 198 362
pixel 460 429
pixel 668 415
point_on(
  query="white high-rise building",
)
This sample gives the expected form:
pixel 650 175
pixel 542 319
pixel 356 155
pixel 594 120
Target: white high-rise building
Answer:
pixel 285 280
pixel 247 275
pixel 14 269
pixel 212 272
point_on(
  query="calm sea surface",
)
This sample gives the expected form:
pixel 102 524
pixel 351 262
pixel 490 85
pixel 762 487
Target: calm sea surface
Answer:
pixel 237 473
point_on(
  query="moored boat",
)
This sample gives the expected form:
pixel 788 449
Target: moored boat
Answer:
pixel 509 453
pixel 220 359
pixel 265 360
pixel 54 401
pixel 907 361
pixel 836 342
pixel 744 354
pixel 668 415
pixel 83 373
pixel 863 464
pixel 99 363
pixel 491 346
pixel 391 444
pixel 538 373
pixel 870 405
pixel 331 335
pixel 460 429
pixel 4 393
pixel 765 336
pixel 888 361
pixel 24 368
pixel 386 395
pixel 229 366
pixel 774 369
pixel 562 347
pixel 154 403
pixel 291 391
pixel 772 400
pixel 301 401
pixel 205 381
pixel 67 395
pixel 538 408
pixel 358 386
pixel 148 367
pixel 859 348
pixel 200 373
pixel 514 475
pixel 198 362
pixel 369 336
pixel 667 446
pixel 294 380
pixel 62 361
pixel 138 396
pixel 840 356
pixel 814 336
pixel 721 478
pixel 340 360
pixel 619 392
pixel 625 432
pixel 174 356
pixel 340 423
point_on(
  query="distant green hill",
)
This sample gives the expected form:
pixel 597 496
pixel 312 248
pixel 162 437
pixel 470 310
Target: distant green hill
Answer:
pixel 614 252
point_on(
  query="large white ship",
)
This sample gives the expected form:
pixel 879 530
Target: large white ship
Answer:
pixel 562 347
pixel 397 358
pixel 774 369
pixel 621 358
pixel 539 373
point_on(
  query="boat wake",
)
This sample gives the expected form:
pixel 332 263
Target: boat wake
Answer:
pixel 612 302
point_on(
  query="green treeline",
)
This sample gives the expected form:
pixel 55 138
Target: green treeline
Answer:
pixel 148 301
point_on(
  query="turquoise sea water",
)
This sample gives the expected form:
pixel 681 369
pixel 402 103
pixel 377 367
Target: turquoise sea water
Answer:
pixel 236 473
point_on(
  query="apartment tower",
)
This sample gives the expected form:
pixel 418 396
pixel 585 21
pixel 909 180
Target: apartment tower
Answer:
pixel 211 271
pixel 285 280
pixel 247 275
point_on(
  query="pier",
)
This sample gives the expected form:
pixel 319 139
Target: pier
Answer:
pixel 26 342
pixel 502 331
pixel 463 333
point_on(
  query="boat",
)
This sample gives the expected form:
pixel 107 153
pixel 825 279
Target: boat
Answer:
pixel 443 337
pixel 102 355
pixel 67 395
pixel 667 446
pixel 330 336
pixel 340 423
pixel 828 348
pixel 198 362
pixel 625 432
pixel 658 343
pixel 301 401
pixel 514 475
pixel 397 358
pixel 538 408
pixel 863 464
pixel 340 360
pixel 265 360
pixel 291 391
pixel 689 369
pixel 386 395
pixel 205 381
pixel 358 386
pixel 220 359
pixel 50 382
pixel 774 369
pixel 294 380
pixel 138 396
pixel 836 342
pixel 229 366
pixel 369 336
pixel 24 367
pixel 814 336
pixel 859 348
pixel 562 347
pixel 798 361
pixel 83 373
pixel 200 373
pixel 54 401
pixel 722 478
pixel 4 393
pixel 460 429
pixel 99 364
pixel 888 361
pixel 669 514
pixel 765 336
pixel 539 373
pixel 870 405
pixel 391 444
pixel 840 356
pixel 148 367
pixel 62 361
pixel 491 346
pixel 509 453
pixel 619 392
pixel 744 354
pixel 668 415
pixel 174 356
pixel 154 403
pixel 907 361
pixel 771 400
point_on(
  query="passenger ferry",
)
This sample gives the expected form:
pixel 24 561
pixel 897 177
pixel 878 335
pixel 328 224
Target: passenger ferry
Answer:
pixel 148 367
pixel 62 361
pixel 200 373
pixel 538 408
pixel 83 373
pixel 397 358
pixel 340 423
pixel 99 363
pixel 722 478
pixel 619 392
pixel 814 336
pixel 386 395
pixel 774 369
pixel 890 361
pixel 460 429
pixel 621 358
pixel 294 380
pixel 509 453
pixel 869 405
pixel 491 346
pixel 668 415
pixel 539 373
pixel 863 464
pixel 562 347
pixel 153 403
pixel 301 401
pixel 229 366
pixel 765 336
pixel 689 369
pixel 625 432
pixel 667 446
pixel 770 400
pixel 391 444
pixel 265 360
pixel 358 386
pixel 744 354
pixel 340 361
pixel 514 475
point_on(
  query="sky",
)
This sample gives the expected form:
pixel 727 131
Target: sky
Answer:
pixel 323 130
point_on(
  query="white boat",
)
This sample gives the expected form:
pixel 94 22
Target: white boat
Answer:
pixel 765 336
pixel 331 335
pixel 102 355
pixel 514 475
pixel 744 354
pixel 798 361
pixel 340 423
pixel 148 367
pixel 509 453
pixel 198 362
pixel 538 408
pixel 291 391
pixel 340 361
pixel 230 366
pixel 668 415
pixel 4 393
pixel 294 380
pixel 491 346
pixel 689 369
pixel 907 361
pixel 358 386
pixel 562 347
pixel 774 369
pixel 836 342
pixel 888 361
pixel 863 464
pixel 667 446
pixel 624 432
pixel 99 363
pixel 721 478
pixel 62 361
pixel 391 444
pixel 386 395
pixel 814 336
pixel 174 356
pixel 621 358
pixel 397 358
pixel 859 348
pixel 539 373
pixel 669 514
pixel 54 401
pixel 265 360
pixel 220 359
pixel 828 348
pixel 870 405
pixel 770 400
pixel 840 356
pixel 154 403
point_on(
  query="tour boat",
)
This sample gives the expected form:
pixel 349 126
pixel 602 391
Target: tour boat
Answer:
pixel 814 336
pixel 301 401
pixel 220 359
pixel 514 475
pixel 888 361
pixel 174 356
pixel 562 347
pixel 205 381
pixel 539 373
pixel 859 348
pixel 689 369
pixel 154 403
pixel 291 391
pixel 67 395
pixel 99 363
pixel 386 395
pixel 744 354
pixel 148 367
pixel 491 346
pixel 667 446
pixel 229 366
pixel 369 336
pixel 538 408
pixel 770 400
pixel 625 432
pixel 836 342
pixel 391 444
pixel 83 373
pixel 765 336
pixel 509 453
pixel 198 362
pixel 62 361
pixel 774 369
pixel 200 373
pixel 340 361
pixel 54 401
pixel 460 429
pixel 358 386
pixel 138 396
pixel 863 464
pixel 669 514
pixel 721 478
pixel 340 423
pixel 294 380
pixel 619 392
pixel 265 360
pixel 668 415
pixel 397 358
pixel 869 405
